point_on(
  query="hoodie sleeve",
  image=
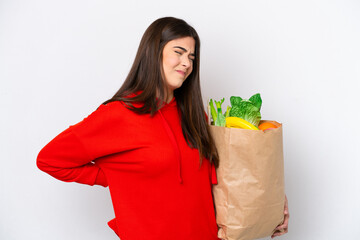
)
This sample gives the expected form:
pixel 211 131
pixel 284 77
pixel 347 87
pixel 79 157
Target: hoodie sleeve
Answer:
pixel 69 157
pixel 66 159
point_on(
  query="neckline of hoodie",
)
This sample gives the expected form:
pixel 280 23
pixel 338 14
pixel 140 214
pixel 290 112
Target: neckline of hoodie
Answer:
pixel 172 103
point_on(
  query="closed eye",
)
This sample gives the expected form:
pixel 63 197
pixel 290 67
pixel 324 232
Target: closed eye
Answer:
pixel 191 55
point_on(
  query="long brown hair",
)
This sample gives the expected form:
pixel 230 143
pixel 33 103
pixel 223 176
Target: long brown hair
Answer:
pixel 145 83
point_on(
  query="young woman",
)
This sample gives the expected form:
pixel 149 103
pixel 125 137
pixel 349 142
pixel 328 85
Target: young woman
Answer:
pixel 150 143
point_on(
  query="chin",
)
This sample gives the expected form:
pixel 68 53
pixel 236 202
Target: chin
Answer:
pixel 175 86
pixel 179 86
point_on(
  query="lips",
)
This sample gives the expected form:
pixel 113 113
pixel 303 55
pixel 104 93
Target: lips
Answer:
pixel 181 72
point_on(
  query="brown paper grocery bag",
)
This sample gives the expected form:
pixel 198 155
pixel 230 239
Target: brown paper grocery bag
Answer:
pixel 249 197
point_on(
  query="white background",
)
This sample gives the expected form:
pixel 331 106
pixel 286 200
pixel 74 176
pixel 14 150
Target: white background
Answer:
pixel 60 59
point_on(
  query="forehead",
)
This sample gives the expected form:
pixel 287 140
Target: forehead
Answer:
pixel 187 42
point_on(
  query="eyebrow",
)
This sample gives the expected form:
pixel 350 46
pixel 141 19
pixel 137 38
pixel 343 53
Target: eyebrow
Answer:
pixel 192 54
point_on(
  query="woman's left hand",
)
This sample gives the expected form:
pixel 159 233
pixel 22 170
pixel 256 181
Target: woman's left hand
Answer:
pixel 283 228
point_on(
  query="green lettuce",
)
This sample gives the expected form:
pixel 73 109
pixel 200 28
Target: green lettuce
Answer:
pixel 256 100
pixel 248 110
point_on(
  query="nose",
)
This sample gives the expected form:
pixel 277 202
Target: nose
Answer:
pixel 186 62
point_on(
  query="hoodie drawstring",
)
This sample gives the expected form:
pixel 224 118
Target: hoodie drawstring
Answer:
pixel 174 143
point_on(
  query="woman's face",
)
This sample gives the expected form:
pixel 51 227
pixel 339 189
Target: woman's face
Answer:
pixel 178 56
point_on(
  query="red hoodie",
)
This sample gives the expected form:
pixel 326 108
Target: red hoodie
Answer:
pixel 157 186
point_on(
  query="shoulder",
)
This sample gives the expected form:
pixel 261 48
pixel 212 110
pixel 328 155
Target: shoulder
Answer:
pixel 106 114
pixel 111 108
pixel 117 109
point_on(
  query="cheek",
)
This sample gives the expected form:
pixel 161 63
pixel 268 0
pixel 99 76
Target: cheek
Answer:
pixel 190 71
pixel 171 61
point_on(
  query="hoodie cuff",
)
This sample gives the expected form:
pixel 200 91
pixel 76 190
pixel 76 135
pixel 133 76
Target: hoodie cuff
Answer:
pixel 101 178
